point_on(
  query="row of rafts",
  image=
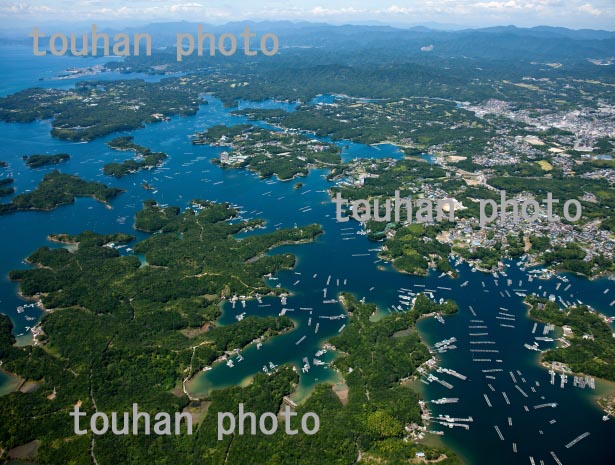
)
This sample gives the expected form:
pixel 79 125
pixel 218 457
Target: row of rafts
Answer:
pixel 486 353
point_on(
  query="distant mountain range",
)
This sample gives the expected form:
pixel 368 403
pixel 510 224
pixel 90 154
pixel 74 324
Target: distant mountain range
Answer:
pixel 537 43
pixel 502 42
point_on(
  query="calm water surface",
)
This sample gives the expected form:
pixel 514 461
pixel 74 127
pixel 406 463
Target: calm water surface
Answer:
pixel 339 260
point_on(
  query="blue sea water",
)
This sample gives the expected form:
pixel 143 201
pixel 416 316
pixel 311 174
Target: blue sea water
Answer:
pixel 347 257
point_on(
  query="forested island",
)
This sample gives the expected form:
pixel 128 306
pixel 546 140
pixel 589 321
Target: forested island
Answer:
pixel 36 161
pixel 145 158
pixel 236 267
pixel 57 189
pixel 5 187
pixel 590 345
pixel 91 109
pixel 267 152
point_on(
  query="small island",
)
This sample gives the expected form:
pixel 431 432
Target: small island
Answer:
pixel 36 161
pixel 57 189
pixel 269 153
pixel 145 158
pixel 5 188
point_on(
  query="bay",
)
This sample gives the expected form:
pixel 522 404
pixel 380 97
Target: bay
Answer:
pixel 347 257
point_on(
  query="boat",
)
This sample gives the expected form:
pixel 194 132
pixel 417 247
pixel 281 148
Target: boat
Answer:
pixel 445 400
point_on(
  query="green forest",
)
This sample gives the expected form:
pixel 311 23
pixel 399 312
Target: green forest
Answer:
pixel 269 153
pixel 37 160
pixel 118 330
pixel 5 187
pixel 146 159
pixel 122 330
pixel 591 349
pixel 57 189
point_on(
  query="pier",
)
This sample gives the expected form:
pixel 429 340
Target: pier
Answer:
pixel 451 372
pixel 564 380
pixel 445 400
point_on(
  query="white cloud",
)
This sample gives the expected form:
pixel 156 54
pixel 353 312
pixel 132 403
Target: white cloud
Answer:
pixel 571 13
pixel 590 9
pixel 517 5
pixel 398 10
pixel 96 9
pixel 320 11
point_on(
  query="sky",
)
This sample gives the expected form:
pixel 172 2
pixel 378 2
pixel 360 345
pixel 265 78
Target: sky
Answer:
pixel 576 14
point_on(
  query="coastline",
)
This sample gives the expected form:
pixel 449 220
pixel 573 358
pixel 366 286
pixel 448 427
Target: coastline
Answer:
pixel 434 440
pixel 605 389
pixel 9 382
pixel 189 381
pixel 413 382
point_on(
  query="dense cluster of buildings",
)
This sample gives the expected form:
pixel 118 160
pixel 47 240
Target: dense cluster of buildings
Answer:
pixel 587 125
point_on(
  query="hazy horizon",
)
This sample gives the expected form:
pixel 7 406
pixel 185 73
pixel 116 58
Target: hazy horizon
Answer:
pixel 442 14
pixel 24 31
